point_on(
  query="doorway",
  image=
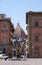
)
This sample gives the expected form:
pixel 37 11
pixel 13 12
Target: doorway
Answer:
pixel 4 50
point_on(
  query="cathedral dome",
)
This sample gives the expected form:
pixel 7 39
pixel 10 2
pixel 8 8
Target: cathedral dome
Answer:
pixel 19 32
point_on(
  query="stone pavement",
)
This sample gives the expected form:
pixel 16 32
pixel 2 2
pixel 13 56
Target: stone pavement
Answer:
pixel 27 62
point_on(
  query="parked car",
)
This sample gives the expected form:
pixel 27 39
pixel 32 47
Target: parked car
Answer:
pixel 3 56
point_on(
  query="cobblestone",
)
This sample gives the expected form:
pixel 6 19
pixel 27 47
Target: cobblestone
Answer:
pixel 17 62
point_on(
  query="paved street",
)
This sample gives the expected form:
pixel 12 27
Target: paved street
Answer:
pixel 28 62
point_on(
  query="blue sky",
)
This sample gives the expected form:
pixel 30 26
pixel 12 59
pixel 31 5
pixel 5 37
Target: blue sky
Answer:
pixel 16 9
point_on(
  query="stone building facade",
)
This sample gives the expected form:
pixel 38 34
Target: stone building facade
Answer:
pixel 6 31
pixel 34 28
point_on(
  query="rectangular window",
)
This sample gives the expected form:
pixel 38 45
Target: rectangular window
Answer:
pixel 36 37
pixel 5 41
pixel 4 26
pixel 37 50
pixel 36 23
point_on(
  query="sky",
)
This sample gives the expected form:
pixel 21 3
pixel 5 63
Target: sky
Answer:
pixel 16 9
